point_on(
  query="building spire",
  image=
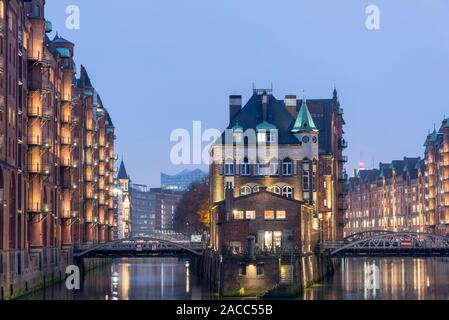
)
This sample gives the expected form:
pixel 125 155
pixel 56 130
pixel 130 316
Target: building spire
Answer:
pixel 304 121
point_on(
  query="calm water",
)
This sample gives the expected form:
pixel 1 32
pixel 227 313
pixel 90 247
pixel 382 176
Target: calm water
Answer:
pixel 167 278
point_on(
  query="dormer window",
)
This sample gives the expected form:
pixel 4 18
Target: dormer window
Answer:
pixel 262 137
pixel 238 137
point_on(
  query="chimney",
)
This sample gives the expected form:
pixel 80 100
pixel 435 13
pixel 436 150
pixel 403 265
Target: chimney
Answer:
pixel 291 105
pixel 265 106
pixel 235 105
pixel 229 202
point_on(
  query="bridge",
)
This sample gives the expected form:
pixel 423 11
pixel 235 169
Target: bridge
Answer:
pixel 389 243
pixel 142 247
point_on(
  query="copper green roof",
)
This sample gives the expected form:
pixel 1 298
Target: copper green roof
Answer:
pixel 237 127
pixel 304 121
pixel 266 126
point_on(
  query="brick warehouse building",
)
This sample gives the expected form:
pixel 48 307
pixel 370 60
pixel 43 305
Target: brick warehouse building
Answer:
pixel 285 201
pixel 56 153
pixel 319 180
pixel 406 195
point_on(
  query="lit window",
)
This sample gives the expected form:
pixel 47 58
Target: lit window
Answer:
pixel 244 191
pixel 269 215
pixel 250 215
pixel 261 137
pixel 276 190
pixel 239 215
pixel 281 215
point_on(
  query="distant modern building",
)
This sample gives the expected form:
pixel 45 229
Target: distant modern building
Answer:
pixel 143 218
pixel 182 180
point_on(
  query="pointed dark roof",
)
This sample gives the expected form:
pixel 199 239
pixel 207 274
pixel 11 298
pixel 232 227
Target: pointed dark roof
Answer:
pixel 304 121
pixel 122 175
pixel 58 39
pixel 84 80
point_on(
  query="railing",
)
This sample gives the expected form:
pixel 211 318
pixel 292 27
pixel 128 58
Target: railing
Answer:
pixel 344 159
pixel 38 207
pixel 34 140
pixel 342 144
pixel 39 168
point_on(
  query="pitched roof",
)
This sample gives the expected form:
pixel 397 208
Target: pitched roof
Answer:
pixel 250 117
pixel 122 175
pixel 304 121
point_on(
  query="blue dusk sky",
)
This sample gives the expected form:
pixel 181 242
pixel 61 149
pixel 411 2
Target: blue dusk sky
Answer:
pixel 162 64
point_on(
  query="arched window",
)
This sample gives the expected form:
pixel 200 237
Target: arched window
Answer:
pixel 245 190
pixel 287 192
pixel 256 189
pixel 276 190
pixel 287 167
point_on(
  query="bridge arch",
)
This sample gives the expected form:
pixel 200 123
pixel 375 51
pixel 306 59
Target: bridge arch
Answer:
pixel 388 239
pixel 86 252
pixel 366 234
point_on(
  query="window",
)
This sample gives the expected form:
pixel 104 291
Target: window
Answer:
pixel 250 215
pixel 276 190
pixel 305 180
pixel 274 167
pixel 258 169
pixel 269 215
pixel 261 137
pixel 238 137
pixel 238 215
pixel 244 191
pixel 256 189
pixel 287 167
pixel 260 269
pixel 245 168
pixel 229 168
pixel 242 269
pixel 271 136
pixel 287 192
pixel 235 247
pixel 281 215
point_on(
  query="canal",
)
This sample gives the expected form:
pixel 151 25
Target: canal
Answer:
pixel 172 279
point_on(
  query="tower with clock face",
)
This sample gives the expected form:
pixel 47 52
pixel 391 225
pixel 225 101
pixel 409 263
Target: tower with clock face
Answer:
pixel 306 132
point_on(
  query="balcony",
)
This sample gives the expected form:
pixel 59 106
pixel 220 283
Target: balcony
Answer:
pixel 66 141
pixel 34 141
pixel 38 168
pixel 343 159
pixel 66 163
pixel 38 207
pixel 342 144
pixel 66 119
pixel 43 86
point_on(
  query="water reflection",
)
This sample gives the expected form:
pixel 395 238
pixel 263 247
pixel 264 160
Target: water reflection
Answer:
pixel 386 279
pixel 170 278
pixel 134 279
